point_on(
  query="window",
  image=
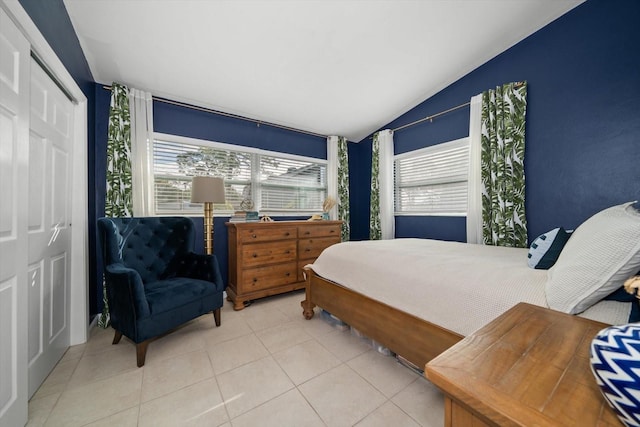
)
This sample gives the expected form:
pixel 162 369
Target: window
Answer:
pixel 277 183
pixel 432 180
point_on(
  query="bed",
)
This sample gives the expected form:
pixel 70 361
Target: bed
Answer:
pixel 418 297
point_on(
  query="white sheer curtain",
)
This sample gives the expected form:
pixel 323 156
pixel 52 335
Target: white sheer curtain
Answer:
pixel 382 222
pixel 387 217
pixel 474 204
pixel 332 173
pixel 141 110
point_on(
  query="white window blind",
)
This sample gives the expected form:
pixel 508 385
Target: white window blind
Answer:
pixel 433 180
pixel 275 182
pixel 292 185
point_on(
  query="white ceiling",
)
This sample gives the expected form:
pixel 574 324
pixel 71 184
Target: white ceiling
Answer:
pixel 326 66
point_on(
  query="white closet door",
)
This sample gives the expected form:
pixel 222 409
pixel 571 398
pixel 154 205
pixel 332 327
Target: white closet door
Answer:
pixel 14 162
pixel 50 193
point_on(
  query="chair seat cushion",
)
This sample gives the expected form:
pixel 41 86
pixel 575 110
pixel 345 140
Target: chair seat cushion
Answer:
pixel 169 294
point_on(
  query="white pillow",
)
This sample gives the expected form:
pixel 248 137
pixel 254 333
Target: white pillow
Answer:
pixel 600 255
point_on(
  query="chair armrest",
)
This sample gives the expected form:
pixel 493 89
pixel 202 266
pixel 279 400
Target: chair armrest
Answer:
pixel 199 266
pixel 126 292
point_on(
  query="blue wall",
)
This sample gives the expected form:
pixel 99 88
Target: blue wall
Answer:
pixel 583 121
pixel 176 120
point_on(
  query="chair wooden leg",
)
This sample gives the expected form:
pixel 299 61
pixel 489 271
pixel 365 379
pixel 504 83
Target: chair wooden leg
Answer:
pixel 116 337
pixel 141 352
pixel 216 316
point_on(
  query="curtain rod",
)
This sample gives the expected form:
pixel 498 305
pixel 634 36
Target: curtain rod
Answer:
pixel 233 116
pixel 431 117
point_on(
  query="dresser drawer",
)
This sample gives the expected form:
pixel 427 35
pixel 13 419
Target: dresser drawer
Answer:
pixel 311 248
pixel 318 230
pixel 268 252
pixel 265 233
pixel 255 279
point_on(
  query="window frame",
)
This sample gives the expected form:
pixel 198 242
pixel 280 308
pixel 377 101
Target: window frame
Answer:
pixel 432 149
pixel 256 185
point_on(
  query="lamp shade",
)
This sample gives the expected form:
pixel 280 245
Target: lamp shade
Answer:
pixel 207 189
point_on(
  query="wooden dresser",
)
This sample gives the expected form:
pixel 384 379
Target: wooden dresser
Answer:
pixel 266 258
pixel 529 367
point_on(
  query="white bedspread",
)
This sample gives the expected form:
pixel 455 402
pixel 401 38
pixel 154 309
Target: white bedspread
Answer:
pixel 459 286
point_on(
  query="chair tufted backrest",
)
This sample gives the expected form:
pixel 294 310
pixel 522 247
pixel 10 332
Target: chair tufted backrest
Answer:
pixel 151 246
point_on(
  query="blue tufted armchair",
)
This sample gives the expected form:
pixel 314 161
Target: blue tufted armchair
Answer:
pixel 154 281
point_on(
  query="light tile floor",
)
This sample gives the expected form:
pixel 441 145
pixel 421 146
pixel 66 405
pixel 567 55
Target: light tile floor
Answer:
pixel 264 366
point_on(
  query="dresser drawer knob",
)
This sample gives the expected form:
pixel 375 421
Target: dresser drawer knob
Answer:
pixel 287 233
pixel 255 280
pixel 307 250
pixel 287 274
pixel 307 232
pixel 287 252
pixel 254 236
pixel 255 255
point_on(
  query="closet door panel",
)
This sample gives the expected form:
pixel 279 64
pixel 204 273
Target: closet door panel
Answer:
pixel 14 163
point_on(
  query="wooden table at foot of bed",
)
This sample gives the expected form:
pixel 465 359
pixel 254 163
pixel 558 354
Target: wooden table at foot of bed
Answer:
pixel 528 367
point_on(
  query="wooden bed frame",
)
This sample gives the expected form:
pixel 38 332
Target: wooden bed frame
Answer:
pixel 415 339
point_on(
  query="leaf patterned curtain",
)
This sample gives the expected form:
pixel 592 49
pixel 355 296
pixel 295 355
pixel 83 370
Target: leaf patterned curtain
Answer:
pixel 118 200
pixel 382 219
pixel 502 157
pixel 338 181
pixel 375 233
pixel 343 188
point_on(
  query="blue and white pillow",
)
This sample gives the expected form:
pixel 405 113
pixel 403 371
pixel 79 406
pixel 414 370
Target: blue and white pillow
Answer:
pixel 546 248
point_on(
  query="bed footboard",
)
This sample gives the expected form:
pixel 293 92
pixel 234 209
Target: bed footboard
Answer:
pixel 415 339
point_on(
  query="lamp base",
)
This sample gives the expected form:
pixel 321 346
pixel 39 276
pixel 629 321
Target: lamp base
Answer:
pixel 208 228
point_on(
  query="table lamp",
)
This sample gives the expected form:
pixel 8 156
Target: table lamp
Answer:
pixel 207 190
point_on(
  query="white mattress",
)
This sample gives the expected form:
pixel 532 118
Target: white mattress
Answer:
pixel 458 286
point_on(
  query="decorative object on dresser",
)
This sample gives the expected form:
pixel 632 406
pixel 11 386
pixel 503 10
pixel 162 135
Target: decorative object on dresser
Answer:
pixel 246 204
pixel 327 205
pixel 207 190
pixel 267 258
pixel 244 216
pixel 528 367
